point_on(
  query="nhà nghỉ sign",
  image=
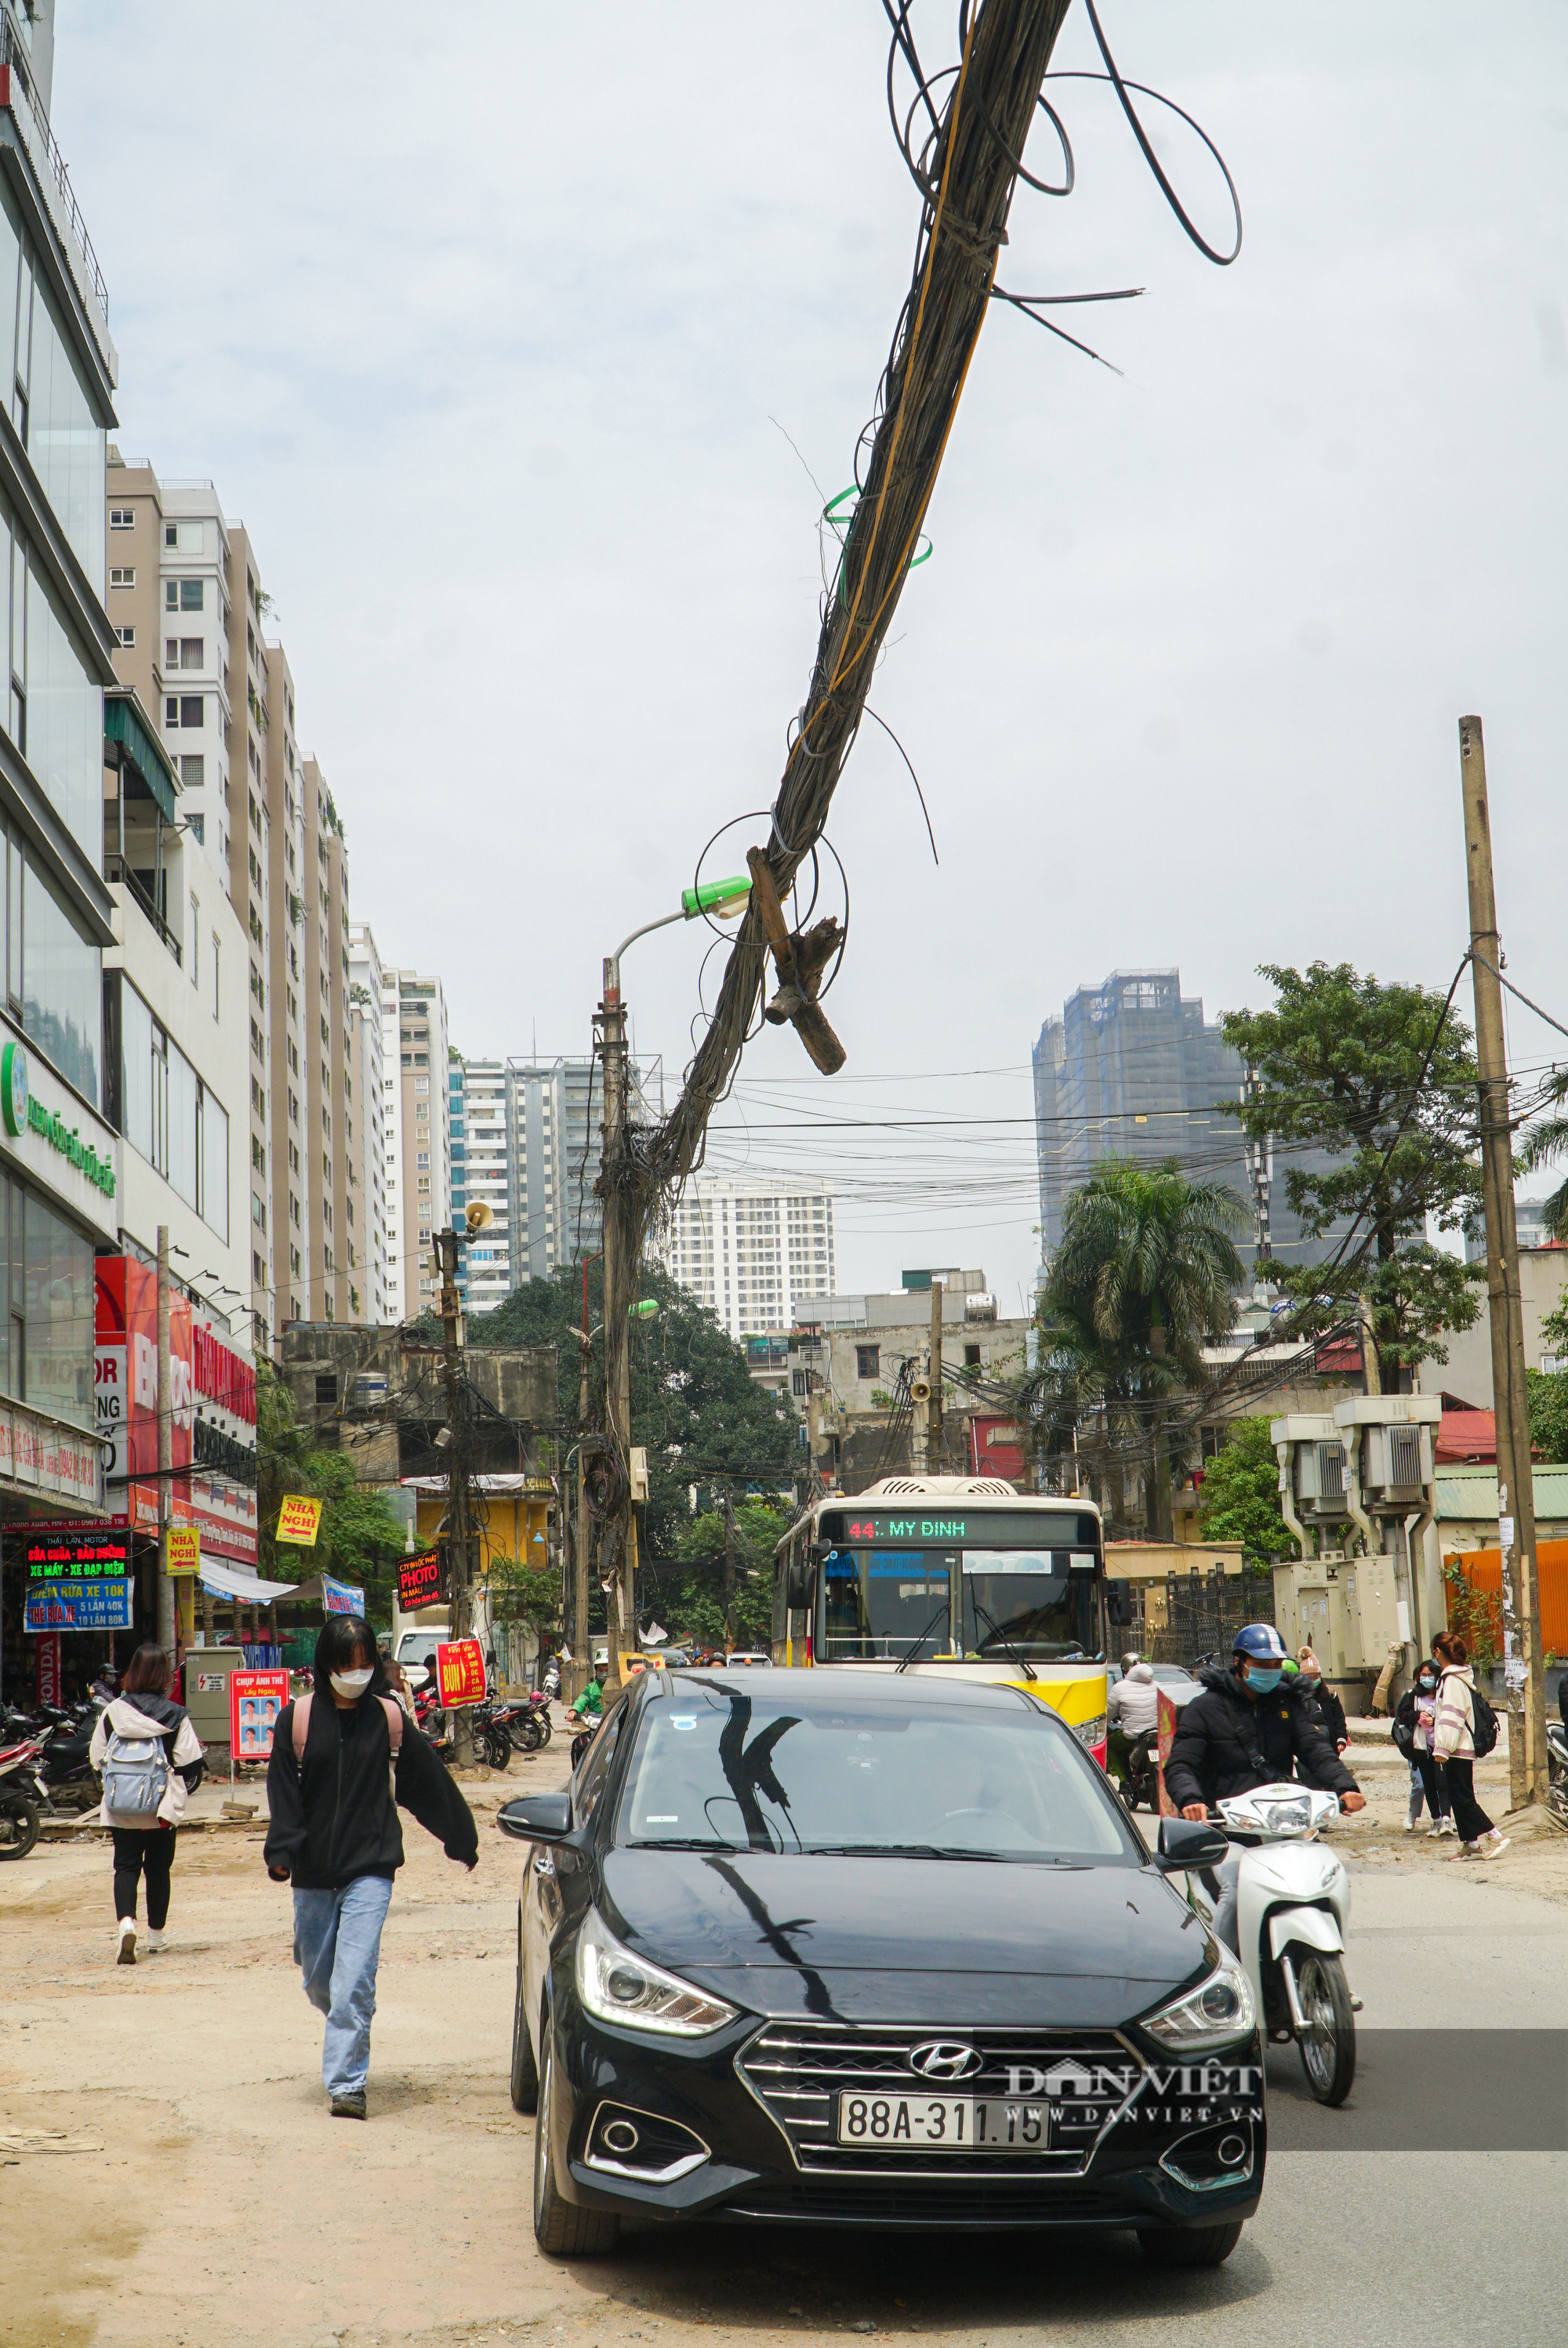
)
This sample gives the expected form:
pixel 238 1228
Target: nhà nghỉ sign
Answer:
pixel 184 1549
pixel 299 1521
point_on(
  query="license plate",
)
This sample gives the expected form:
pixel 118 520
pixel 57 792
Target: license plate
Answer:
pixel 956 2122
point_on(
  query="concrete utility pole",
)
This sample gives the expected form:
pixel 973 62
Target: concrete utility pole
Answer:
pixel 729 1573
pixel 1515 1484
pixel 934 1400
pixel 620 1598
pixel 167 1618
pixel 583 1668
pixel 459 1513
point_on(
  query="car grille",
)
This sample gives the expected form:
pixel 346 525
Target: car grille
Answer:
pixel 796 2071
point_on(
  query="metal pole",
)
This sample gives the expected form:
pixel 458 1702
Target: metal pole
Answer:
pixel 583 1669
pixel 934 1406
pixel 618 1277
pixel 458 1562
pixel 1515 1483
pixel 729 1573
pixel 167 1619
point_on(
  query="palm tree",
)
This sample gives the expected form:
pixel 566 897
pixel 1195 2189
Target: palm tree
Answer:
pixel 1143 1279
pixel 1549 1140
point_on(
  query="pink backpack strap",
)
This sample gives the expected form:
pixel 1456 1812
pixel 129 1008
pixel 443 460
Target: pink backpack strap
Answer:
pixel 393 1710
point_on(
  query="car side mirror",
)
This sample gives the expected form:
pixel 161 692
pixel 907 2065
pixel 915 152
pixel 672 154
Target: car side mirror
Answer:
pixel 1185 1844
pixel 536 1818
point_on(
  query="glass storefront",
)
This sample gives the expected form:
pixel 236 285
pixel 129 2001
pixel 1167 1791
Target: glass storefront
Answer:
pixel 47 1307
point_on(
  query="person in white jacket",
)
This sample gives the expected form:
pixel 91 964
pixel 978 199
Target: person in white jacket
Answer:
pixel 150 1759
pixel 1453 1744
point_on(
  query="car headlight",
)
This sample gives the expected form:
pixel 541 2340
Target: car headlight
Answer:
pixel 1217 2012
pixel 1090 1732
pixel 621 1987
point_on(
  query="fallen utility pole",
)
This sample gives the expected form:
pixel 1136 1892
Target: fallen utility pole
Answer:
pixel 1510 1394
pixel 459 1504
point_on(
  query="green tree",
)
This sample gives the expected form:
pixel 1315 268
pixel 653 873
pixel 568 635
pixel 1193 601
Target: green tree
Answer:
pixel 1360 1072
pixel 1241 1495
pixel 1548 1414
pixel 695 1600
pixel 695 1407
pixel 360 1540
pixel 1546 1142
pixel 1143 1278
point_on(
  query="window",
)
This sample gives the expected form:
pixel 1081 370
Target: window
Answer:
pixel 122 518
pixel 217 996
pixel 191 708
pixel 972 1358
pixel 46 1308
pixel 197 824
pixel 190 595
pixel 192 652
pixel 868 1361
pixel 171 651
pixel 123 575
pixel 171 534
pixel 171 594
pixel 193 774
pixel 195 939
pixel 127 636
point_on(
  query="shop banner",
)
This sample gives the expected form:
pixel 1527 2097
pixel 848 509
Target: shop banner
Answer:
pixel 460 1673
pixel 97 1605
pixel 419 1581
pixel 76 1555
pixel 339 1597
pixel 184 1549
pixel 255 1700
pixel 299 1521
pixel 51 1668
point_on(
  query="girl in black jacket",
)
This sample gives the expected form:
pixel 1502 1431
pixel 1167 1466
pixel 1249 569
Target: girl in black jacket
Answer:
pixel 333 1788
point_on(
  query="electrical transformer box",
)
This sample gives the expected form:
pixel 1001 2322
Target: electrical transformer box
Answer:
pixel 1375 1617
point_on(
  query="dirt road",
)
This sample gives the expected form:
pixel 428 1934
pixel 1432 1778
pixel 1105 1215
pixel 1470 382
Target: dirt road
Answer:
pixel 211 2198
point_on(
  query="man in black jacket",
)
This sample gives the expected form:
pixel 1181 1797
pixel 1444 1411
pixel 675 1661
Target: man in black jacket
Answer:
pixel 333 1833
pixel 1251 1727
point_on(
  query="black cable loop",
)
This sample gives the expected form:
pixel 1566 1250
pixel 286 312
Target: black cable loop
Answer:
pixel 1121 87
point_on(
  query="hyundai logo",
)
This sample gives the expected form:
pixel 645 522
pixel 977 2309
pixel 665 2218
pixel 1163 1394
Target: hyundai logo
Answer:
pixel 945 2058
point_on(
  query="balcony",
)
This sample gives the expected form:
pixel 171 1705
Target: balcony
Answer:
pixel 49 168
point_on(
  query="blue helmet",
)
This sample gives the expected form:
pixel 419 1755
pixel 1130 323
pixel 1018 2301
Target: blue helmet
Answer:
pixel 1260 1641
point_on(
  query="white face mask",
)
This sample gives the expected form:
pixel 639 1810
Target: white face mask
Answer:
pixel 350 1686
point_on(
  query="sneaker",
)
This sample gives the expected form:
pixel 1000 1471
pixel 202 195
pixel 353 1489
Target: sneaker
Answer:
pixel 157 1941
pixel 348 2107
pixel 1446 1825
pixel 1465 1850
pixel 1410 1825
pixel 1494 1845
pixel 1438 1827
pixel 126 1928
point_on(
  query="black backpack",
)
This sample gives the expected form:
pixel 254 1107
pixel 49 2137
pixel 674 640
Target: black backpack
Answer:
pixel 1483 1725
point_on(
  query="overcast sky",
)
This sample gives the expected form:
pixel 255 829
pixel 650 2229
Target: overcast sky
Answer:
pixel 486 321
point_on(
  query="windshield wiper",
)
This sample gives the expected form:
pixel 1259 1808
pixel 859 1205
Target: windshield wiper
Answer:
pixel 681 1842
pixel 1000 1637
pixel 925 1634
pixel 901 1850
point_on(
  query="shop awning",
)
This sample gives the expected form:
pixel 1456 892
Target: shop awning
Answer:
pixel 125 725
pixel 227 1582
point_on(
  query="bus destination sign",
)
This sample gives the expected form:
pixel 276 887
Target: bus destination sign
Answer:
pixel 1044 1529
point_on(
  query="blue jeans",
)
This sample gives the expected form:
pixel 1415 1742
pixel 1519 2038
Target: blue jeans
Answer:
pixel 337 1947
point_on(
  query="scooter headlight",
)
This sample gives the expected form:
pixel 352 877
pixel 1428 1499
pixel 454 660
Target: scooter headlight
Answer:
pixel 1216 2013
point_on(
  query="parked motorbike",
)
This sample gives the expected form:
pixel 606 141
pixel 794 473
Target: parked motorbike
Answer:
pixel 528 1720
pixel 550 1683
pixel 70 1781
pixel 23 1798
pixel 1293 1906
pixel 1557 1769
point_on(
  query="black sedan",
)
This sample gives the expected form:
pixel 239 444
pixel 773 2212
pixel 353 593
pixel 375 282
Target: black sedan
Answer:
pixel 852 1947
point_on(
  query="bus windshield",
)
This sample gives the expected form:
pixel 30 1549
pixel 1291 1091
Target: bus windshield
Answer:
pixel 1040 1604
pixel 887 1602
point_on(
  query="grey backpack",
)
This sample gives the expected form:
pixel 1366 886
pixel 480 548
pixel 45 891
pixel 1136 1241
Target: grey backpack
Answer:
pixel 135 1775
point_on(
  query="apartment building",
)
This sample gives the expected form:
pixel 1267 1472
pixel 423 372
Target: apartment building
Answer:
pixel 58 1152
pixel 367 1151
pixel 417 1138
pixel 751 1252
pixel 481 1166
pixel 554 1121
pixel 336 1286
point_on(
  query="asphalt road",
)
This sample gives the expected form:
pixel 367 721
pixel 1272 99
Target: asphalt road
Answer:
pixel 196 2192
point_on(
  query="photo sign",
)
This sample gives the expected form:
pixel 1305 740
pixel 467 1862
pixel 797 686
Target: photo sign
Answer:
pixel 255 1700
pixel 299 1521
pixel 419 1581
pixel 460 1673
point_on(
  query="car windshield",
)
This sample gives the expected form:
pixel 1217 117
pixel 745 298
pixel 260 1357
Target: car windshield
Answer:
pixel 719 1769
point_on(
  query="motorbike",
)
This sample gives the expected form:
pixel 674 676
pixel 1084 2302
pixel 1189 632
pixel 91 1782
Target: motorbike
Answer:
pixel 1293 1908
pixel 70 1781
pixel 23 1798
pixel 1557 1769
pixel 528 1721
pixel 492 1743
pixel 1135 1767
pixel 585 1736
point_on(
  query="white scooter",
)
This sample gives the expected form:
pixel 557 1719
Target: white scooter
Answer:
pixel 1293 1908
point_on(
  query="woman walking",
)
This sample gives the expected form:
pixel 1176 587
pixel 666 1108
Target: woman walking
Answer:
pixel 149 1757
pixel 1454 1743
pixel 341 1762
pixel 1415 1723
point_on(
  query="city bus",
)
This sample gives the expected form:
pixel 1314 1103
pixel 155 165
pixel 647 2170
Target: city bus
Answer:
pixel 952 1574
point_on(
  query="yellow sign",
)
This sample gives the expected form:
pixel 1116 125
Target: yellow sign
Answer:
pixel 184 1549
pixel 299 1521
